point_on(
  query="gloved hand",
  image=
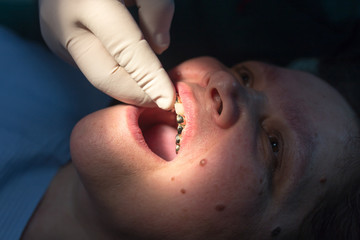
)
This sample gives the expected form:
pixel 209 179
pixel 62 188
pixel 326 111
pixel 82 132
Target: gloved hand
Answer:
pixel 103 39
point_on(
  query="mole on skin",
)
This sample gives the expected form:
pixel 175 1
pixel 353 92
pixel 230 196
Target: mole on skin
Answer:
pixel 203 162
pixel 220 207
pixel 183 191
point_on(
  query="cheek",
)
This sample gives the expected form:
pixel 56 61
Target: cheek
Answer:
pixel 229 176
pixel 234 183
pixel 212 190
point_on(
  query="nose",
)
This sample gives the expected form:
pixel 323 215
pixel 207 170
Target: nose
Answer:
pixel 224 95
pixel 196 70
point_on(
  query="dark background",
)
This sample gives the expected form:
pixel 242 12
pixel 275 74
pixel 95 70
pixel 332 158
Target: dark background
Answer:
pixel 276 31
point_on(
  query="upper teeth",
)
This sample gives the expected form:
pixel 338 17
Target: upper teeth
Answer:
pixel 180 119
pixel 179 108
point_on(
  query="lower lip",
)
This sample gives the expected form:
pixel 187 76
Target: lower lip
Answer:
pixel 132 117
pixel 132 121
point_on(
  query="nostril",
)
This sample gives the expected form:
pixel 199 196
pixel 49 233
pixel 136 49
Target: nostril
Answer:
pixel 225 95
pixel 217 100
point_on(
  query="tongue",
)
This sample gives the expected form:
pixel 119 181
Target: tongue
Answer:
pixel 161 140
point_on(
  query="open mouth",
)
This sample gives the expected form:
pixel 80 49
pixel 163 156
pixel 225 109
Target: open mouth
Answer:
pixel 159 129
pixel 163 131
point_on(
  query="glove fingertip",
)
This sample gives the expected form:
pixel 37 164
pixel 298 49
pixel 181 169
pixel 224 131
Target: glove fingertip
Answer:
pixel 162 41
pixel 166 103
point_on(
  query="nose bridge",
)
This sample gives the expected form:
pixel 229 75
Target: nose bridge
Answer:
pixel 227 98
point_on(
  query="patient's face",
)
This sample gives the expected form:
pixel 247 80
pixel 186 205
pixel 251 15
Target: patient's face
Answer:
pixel 258 149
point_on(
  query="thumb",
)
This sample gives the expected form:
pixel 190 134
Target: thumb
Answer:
pixel 155 19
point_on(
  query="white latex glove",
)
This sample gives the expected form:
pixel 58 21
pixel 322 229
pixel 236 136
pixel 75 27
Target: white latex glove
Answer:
pixel 107 45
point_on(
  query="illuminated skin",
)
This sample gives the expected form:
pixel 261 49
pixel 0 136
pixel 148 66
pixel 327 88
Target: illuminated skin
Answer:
pixel 258 144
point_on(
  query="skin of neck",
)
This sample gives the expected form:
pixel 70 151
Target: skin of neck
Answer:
pixel 65 212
